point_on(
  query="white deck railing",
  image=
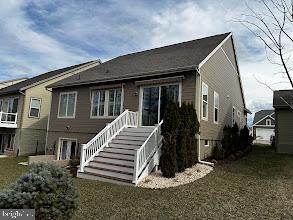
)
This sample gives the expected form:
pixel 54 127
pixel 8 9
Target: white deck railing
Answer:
pixel 144 154
pixel 102 139
pixel 8 118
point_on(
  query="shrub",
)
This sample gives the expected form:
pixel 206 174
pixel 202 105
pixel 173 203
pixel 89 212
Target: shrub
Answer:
pixel 218 152
pixel 245 138
pixel 235 138
pixel 47 188
pixel 168 160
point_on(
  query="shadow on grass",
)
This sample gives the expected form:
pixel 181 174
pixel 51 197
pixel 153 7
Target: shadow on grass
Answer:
pixel 262 162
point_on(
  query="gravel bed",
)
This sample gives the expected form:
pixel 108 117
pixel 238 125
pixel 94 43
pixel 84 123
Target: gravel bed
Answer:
pixel 156 181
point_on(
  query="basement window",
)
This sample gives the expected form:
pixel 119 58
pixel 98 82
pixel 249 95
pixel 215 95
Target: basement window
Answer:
pixel 206 143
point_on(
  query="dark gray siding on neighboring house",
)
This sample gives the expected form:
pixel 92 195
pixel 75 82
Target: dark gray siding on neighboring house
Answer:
pixel 284 131
pixel 263 122
pixel 83 127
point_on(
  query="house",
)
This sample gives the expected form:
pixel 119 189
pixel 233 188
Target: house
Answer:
pixel 283 104
pixel 111 114
pixel 24 110
pixel 6 83
pixel 263 126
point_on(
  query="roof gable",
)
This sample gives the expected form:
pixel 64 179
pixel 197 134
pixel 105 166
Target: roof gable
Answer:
pixel 159 60
pixel 261 115
pixel 31 81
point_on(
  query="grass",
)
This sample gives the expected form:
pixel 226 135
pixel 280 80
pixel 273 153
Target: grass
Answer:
pixel 258 186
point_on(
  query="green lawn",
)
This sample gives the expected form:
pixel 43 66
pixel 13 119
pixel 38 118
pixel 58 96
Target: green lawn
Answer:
pixel 258 186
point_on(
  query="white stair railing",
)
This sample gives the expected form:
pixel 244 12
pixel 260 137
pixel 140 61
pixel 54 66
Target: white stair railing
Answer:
pixel 144 154
pixel 102 139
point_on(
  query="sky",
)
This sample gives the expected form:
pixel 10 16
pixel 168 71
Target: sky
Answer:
pixel 38 35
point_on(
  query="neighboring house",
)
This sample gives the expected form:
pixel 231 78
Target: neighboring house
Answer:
pixel 283 104
pixel 24 110
pixel 263 126
pixel 203 72
pixel 6 83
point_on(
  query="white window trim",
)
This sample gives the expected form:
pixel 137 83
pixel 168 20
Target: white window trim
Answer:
pixel 207 102
pixel 106 104
pixel 13 146
pixel 208 143
pixel 75 101
pixel 59 145
pixel 29 113
pixel 233 116
pixel 215 93
pixel 157 85
pixel 268 120
pixel 239 116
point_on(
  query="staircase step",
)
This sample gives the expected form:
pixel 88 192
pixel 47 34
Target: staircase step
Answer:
pixel 114 161
pixel 116 156
pixel 112 167
pixel 119 151
pixel 139 129
pixel 93 176
pixel 109 173
pixel 130 142
pixel 124 146
pixel 135 134
pixel 129 137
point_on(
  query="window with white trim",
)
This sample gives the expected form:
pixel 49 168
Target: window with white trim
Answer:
pixel 206 143
pixel 233 115
pixel 268 122
pixel 205 94
pixel 239 117
pixel 216 107
pixel 67 104
pixel 35 108
pixel 106 103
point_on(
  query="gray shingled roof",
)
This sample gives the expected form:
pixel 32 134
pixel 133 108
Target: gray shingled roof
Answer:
pixel 18 86
pixel 161 60
pixel 281 97
pixel 261 114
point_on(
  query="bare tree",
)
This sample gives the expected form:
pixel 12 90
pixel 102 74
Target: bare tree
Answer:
pixel 273 25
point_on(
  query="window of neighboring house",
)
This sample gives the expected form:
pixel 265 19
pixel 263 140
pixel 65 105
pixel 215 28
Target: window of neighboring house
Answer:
pixel 268 122
pixel 1 101
pixel 106 103
pixel 205 93
pixel 35 108
pixel 67 105
pixel 206 143
pixel 9 108
pixel 7 141
pixel 233 115
pixel 216 107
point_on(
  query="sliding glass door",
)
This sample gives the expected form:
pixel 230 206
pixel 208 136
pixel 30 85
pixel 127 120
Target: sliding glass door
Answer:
pixel 154 102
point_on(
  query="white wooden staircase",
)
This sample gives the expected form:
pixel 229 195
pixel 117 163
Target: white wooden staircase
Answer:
pixel 122 153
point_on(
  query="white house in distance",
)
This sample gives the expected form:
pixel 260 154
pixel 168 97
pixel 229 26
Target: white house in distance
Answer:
pixel 263 126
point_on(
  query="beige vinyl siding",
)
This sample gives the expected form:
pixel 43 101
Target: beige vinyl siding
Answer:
pixel 220 76
pixel 284 137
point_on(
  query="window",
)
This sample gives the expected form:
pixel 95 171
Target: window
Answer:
pixel 268 122
pixel 239 117
pixel 106 103
pixel 216 107
pixel 1 101
pixel 233 115
pixel 67 104
pixel 35 108
pixel 206 143
pixel 205 93
pixel 68 149
pixel 7 142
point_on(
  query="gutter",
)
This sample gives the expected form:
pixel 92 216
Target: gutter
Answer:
pixel 199 114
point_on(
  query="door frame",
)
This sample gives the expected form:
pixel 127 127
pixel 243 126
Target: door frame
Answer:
pixel 60 143
pixel 159 102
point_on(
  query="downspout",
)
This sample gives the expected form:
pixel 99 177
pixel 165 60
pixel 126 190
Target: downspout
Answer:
pixel 20 122
pixel 48 123
pixel 198 79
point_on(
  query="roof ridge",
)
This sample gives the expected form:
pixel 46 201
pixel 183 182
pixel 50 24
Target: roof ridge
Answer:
pixel 170 45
